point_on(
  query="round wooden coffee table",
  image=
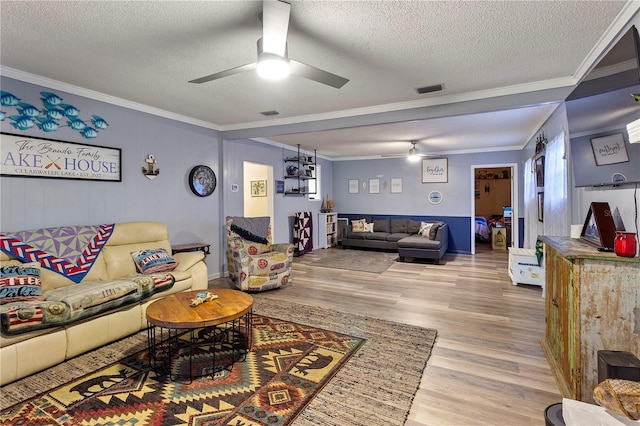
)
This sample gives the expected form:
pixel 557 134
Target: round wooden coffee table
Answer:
pixel 190 342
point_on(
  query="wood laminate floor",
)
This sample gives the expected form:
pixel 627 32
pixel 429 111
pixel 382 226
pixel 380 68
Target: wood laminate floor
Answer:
pixel 487 367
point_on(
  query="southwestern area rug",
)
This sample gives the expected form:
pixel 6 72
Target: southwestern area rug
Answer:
pixel 341 370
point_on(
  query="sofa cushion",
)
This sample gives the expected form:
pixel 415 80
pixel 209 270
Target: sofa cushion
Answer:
pixel 149 261
pixel 20 283
pixel 378 236
pixel 22 317
pixel 368 227
pixel 395 237
pixel 413 226
pixel 398 226
pixel 418 242
pixel 381 225
pixel 357 235
pixel 90 298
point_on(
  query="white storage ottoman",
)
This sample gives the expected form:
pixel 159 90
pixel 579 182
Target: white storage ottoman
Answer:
pixel 523 267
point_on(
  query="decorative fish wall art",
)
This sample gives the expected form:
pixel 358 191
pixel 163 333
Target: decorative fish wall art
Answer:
pixel 50 117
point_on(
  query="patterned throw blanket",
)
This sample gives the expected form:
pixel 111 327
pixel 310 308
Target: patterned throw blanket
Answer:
pixel 67 250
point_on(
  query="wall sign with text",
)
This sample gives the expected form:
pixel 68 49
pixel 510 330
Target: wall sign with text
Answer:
pixel 435 170
pixel 27 156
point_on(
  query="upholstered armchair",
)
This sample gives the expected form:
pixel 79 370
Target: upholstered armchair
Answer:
pixel 253 261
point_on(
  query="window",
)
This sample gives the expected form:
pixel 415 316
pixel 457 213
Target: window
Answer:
pixel 314 185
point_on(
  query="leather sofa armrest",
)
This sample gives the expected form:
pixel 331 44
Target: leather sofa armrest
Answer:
pixel 187 259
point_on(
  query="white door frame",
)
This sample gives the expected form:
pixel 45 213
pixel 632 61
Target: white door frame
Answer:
pixel 515 229
pixel 270 189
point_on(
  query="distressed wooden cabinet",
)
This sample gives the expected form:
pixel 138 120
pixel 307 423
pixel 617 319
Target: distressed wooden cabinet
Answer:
pixel 589 306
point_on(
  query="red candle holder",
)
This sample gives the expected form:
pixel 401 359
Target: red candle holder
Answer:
pixel 625 244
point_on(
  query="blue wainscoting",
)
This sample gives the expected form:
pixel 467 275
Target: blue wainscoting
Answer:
pixel 459 228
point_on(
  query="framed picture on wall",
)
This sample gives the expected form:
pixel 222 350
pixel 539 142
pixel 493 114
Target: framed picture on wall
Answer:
pixel 259 188
pixel 609 149
pixel 353 186
pixel 541 206
pixel 435 170
pixel 540 171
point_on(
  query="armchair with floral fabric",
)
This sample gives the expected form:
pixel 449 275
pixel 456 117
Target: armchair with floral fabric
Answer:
pixel 253 261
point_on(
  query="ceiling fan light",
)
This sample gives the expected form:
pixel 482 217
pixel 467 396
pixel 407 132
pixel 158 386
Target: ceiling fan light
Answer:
pixel 272 66
pixel 413 155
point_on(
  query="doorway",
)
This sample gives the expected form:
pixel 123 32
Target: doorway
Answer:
pixel 494 201
pixel 258 190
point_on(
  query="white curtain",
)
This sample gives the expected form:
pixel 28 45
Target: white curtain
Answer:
pixel 556 209
pixel 530 205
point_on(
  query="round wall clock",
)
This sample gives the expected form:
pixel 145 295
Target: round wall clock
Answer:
pixel 202 181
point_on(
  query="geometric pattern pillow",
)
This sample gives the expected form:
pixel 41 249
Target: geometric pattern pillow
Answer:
pixel 20 283
pixel 150 261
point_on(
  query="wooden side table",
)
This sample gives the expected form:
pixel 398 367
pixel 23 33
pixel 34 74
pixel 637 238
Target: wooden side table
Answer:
pixel 178 248
pixel 187 342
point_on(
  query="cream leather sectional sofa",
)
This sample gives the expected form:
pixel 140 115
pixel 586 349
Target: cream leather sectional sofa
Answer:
pixel 25 353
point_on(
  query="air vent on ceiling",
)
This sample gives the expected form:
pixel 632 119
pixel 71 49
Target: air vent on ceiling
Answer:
pixel 270 113
pixel 429 89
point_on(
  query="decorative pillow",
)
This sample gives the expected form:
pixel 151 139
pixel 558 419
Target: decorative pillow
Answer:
pixel 20 283
pixel 434 229
pixel 425 229
pixel 358 225
pixel 368 227
pixel 150 261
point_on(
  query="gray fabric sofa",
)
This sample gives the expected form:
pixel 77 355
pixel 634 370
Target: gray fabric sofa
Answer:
pixel 401 235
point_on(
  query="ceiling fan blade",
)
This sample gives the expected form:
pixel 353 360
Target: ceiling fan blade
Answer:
pixel 275 25
pixel 221 74
pixel 316 74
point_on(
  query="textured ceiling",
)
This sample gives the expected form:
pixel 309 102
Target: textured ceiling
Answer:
pixel 146 52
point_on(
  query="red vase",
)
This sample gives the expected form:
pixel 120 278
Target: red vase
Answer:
pixel 625 244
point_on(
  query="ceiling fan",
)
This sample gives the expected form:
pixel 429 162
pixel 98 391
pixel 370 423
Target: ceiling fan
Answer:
pixel 412 155
pixel 273 60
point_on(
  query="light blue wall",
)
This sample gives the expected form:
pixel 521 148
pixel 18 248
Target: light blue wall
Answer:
pixel 456 193
pixel 30 203
pixel 238 151
pixel 413 201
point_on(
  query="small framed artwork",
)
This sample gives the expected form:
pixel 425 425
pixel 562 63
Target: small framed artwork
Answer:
pixel 374 186
pixel 279 187
pixel 353 186
pixel 259 188
pixel 540 171
pixel 541 206
pixel 609 149
pixel 435 170
pixel 396 185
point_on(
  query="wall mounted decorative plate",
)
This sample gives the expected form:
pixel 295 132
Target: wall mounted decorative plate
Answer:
pixel 202 181
pixel 435 197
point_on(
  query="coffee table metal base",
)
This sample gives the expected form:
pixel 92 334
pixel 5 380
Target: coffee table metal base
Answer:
pixel 186 354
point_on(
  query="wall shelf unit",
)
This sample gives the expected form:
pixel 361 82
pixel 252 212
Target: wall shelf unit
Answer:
pixel 298 172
